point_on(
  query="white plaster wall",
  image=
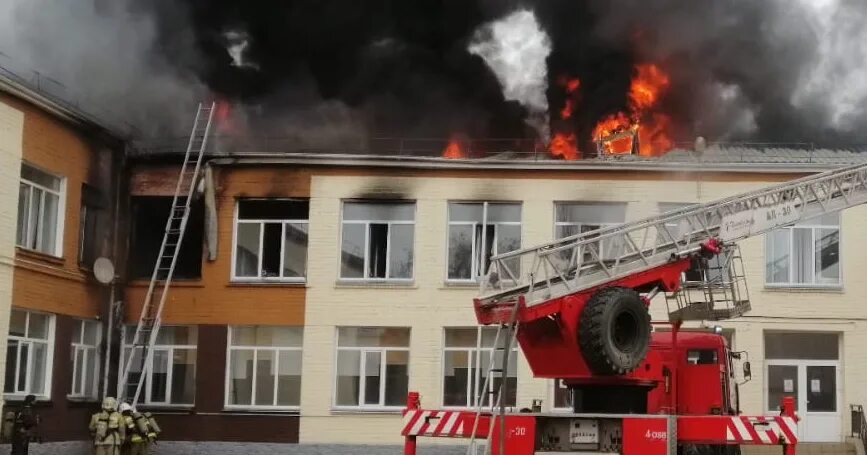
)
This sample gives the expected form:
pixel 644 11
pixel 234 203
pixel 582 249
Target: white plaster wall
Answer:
pixel 429 304
pixel 11 143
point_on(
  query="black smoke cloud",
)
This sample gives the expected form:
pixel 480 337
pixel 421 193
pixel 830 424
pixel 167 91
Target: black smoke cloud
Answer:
pixel 327 72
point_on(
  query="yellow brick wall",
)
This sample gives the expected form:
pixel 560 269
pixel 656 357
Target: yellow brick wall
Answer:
pixel 11 140
pixel 428 304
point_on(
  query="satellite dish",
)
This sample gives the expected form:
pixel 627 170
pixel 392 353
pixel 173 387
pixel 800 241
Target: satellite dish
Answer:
pixel 103 270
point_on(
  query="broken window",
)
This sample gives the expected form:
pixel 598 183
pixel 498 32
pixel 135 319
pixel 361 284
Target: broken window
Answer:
pixel 377 240
pixel 271 239
pixel 88 222
pixel 149 216
pixel 478 231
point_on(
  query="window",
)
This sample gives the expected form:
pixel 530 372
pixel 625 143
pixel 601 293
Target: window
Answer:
pixel 478 231
pixel 171 379
pixel 702 357
pixel 149 216
pixel 807 253
pixel 466 359
pixel 271 239
pixel 572 218
pixel 89 214
pixel 29 352
pixel 40 200
pixel 377 241
pixel 372 369
pixel 264 367
pixel 86 336
pixel 562 396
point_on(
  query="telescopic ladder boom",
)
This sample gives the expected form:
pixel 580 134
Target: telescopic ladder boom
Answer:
pixel 147 329
pixel 580 262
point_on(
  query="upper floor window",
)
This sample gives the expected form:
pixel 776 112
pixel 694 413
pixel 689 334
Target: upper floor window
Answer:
pixel 85 358
pixel 806 254
pixel 148 228
pixel 40 221
pixel 479 230
pixel 562 396
pixel 271 239
pixel 372 369
pixel 377 240
pixel 573 218
pixel 171 378
pixel 29 350
pixel 264 367
pixel 466 359
pixel 88 221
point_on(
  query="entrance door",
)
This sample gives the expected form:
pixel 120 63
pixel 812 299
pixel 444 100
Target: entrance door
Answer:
pixel 816 389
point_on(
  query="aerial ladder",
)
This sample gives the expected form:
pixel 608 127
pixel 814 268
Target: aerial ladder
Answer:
pixel 139 358
pixel 579 305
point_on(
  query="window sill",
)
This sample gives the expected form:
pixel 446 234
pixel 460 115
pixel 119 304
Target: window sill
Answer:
pixel 267 283
pixel 367 411
pixel 245 410
pixel 166 407
pixel 38 255
pixel 807 288
pixel 19 398
pixel 378 284
pixel 81 399
pixel 460 285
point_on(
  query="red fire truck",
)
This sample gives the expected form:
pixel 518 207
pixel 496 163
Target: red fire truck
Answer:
pixel 579 309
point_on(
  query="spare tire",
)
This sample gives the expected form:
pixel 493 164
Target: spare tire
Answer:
pixel 614 333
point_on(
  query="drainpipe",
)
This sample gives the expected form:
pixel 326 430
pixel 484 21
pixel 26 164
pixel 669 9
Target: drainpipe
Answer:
pixel 109 334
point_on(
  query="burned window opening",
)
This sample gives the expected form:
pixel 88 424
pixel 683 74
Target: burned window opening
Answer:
pixel 148 228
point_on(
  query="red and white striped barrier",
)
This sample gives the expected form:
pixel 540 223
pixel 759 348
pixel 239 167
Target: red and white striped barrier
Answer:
pixel 417 422
pixel 762 430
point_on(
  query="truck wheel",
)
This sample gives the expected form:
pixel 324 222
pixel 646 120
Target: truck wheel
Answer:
pixel 615 331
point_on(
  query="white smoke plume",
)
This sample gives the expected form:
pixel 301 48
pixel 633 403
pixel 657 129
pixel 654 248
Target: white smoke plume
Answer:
pixel 516 48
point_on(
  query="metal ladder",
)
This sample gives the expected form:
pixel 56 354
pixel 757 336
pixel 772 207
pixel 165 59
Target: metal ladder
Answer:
pixel 508 332
pixel 579 262
pixel 149 320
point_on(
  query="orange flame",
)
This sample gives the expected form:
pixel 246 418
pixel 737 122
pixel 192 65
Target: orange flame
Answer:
pixel 647 87
pixel 454 151
pixel 564 145
pixel 223 117
pixel 571 86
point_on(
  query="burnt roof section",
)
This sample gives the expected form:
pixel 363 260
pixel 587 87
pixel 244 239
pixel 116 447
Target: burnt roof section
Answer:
pixel 506 154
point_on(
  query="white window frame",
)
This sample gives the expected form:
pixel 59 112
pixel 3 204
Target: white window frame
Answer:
pixel 169 350
pixel 363 351
pixel 474 356
pixel 283 222
pixel 813 225
pixel 88 351
pixel 554 407
pixel 366 224
pixel 276 350
pixel 474 260
pixel 61 211
pixel 28 369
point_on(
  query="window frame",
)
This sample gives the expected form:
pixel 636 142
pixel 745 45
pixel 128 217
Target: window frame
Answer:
pixel 61 211
pixel 88 349
pixel 255 348
pixel 813 225
pixel 237 221
pixel 475 354
pixel 145 399
pixel 367 223
pixel 49 357
pixel 474 257
pixel 554 407
pixel 363 351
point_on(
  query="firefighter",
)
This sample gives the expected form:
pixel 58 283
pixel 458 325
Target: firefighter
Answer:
pixel 23 426
pixel 106 428
pixel 136 426
pixel 154 430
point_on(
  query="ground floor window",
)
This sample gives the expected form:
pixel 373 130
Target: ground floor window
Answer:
pixel 86 336
pixel 372 367
pixel 264 369
pixel 29 352
pixel 466 359
pixel 171 378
